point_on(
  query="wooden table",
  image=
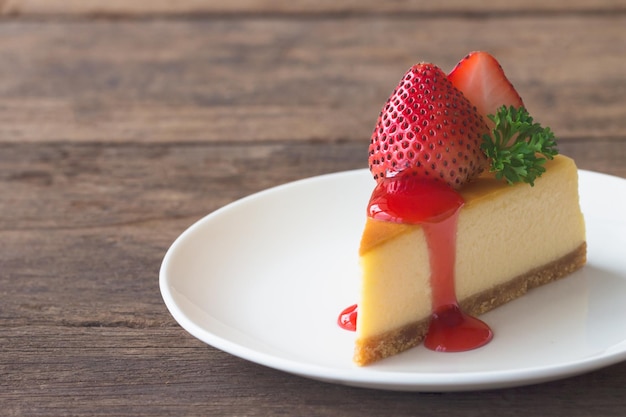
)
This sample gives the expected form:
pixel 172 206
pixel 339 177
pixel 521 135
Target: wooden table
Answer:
pixel 123 122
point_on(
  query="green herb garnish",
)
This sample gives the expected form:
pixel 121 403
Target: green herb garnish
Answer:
pixel 517 147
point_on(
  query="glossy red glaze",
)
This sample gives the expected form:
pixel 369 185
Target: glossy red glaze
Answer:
pixel 408 199
pixel 347 318
pixel 451 330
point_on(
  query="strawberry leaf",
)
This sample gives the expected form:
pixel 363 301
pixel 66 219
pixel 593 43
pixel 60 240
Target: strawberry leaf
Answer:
pixel 517 147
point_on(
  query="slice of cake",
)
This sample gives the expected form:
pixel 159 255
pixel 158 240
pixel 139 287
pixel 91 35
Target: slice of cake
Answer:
pixel 471 209
pixel 509 239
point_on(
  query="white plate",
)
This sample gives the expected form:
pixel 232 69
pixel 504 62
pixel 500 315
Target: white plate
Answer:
pixel 265 277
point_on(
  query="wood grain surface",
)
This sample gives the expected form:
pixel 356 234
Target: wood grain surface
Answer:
pixel 123 122
pixel 143 8
pixel 279 79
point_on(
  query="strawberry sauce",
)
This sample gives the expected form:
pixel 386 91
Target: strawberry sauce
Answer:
pixel 451 330
pixel 347 318
pixel 435 206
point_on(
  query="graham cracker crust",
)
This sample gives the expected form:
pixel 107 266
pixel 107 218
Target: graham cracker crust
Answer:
pixel 395 341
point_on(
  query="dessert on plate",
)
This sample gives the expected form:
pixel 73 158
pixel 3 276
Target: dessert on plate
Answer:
pixel 472 207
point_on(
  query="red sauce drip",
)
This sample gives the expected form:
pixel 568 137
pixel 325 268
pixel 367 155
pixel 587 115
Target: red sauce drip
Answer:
pixel 347 318
pixel 451 330
pixel 435 206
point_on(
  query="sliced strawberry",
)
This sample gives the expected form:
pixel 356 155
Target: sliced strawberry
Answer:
pixel 429 129
pixel 481 79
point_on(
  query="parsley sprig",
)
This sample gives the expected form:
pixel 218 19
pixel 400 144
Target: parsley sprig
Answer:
pixel 517 147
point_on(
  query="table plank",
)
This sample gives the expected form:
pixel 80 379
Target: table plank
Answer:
pixel 278 79
pixel 117 371
pixel 135 8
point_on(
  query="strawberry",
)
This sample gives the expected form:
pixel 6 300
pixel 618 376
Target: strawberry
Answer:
pixel 428 129
pixel 481 79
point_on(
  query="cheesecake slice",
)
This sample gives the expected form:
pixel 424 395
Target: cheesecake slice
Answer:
pixel 473 206
pixel 509 239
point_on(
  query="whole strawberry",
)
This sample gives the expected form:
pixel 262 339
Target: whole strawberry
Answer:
pixel 428 129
